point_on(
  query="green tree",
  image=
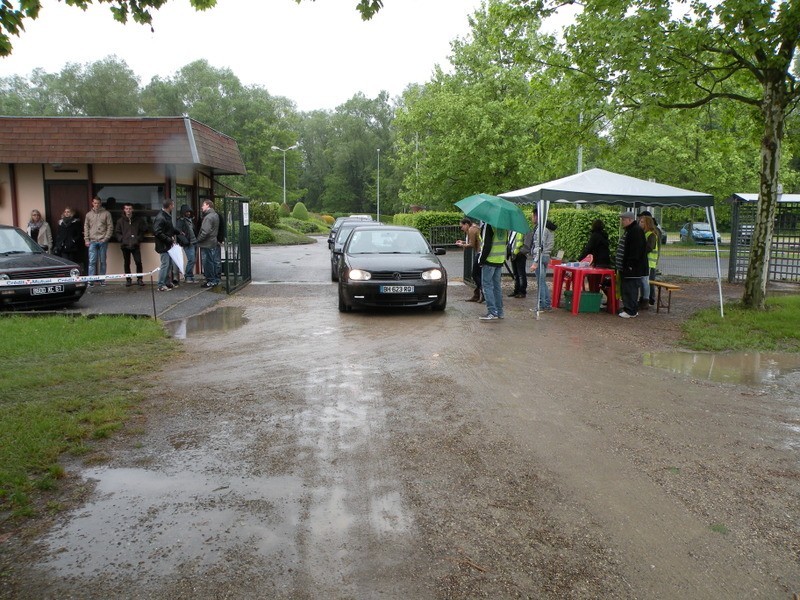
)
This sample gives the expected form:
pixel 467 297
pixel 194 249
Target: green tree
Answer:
pixel 638 53
pixel 359 128
pixel 501 120
pixel 105 88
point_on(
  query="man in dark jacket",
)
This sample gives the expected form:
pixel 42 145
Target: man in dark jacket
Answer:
pixel 164 232
pixel 130 231
pixel 631 261
pixel 188 240
pixel 207 242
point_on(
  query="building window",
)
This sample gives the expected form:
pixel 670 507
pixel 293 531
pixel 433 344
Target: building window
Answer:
pixel 146 199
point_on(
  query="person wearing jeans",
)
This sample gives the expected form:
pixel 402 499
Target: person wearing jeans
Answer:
pixel 542 248
pixel 98 227
pixel 492 257
pixel 165 233
pixel 207 242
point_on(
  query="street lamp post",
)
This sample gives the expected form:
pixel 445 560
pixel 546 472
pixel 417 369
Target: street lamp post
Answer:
pixel 379 184
pixel 284 165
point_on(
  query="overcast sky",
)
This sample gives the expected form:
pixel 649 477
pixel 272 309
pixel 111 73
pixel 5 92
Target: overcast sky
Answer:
pixel 317 54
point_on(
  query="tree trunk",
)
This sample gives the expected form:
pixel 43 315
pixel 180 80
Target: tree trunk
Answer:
pixel 773 112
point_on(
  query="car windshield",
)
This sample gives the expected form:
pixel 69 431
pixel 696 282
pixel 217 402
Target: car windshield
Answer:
pixel 12 241
pixel 387 242
pixel 701 227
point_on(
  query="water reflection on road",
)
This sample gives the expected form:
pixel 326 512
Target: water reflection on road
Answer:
pixel 751 368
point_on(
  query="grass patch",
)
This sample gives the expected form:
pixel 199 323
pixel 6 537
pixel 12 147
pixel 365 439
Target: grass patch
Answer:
pixel 289 238
pixel 66 381
pixel 744 329
pixel 719 528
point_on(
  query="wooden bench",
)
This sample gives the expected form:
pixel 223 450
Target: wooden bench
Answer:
pixel 663 285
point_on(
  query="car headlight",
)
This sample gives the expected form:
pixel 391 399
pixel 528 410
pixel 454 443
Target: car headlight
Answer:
pixel 75 273
pixel 4 276
pixel 433 274
pixel 359 275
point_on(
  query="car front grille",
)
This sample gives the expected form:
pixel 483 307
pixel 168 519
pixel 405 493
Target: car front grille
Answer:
pixel 395 275
pixel 40 273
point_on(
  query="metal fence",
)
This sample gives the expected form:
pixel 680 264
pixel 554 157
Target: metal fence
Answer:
pixel 236 248
pixel 445 235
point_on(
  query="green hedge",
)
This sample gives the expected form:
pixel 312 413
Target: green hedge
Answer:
pixel 260 234
pixel 426 219
pixel 301 226
pixel 266 213
pixel 574 226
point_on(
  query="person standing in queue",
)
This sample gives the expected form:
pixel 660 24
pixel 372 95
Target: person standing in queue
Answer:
pixel 69 237
pixel 40 231
pixel 631 261
pixel 653 247
pixel 208 244
pixel 542 247
pixel 519 248
pixel 188 240
pixel 130 231
pixel 473 241
pixel 98 228
pixel 164 232
pixel 492 257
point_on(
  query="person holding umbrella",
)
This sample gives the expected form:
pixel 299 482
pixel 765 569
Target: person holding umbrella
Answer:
pixel 499 216
pixel 491 258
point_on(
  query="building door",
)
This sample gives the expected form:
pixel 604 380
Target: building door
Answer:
pixel 61 194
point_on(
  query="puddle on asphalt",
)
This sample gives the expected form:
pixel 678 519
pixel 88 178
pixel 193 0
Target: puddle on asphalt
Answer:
pixel 140 515
pixel 226 318
pixel 751 368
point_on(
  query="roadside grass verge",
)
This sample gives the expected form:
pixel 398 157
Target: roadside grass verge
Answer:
pixel 67 381
pixel 284 237
pixel 774 329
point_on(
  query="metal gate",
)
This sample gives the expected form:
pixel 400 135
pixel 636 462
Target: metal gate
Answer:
pixel 236 248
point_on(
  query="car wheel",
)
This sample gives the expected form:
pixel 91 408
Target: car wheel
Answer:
pixel 440 306
pixel 343 307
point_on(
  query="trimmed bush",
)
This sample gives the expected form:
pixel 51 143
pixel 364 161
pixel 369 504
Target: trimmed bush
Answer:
pixel 266 213
pixel 300 212
pixel 329 220
pixel 285 210
pixel 406 219
pixel 301 226
pixel 260 234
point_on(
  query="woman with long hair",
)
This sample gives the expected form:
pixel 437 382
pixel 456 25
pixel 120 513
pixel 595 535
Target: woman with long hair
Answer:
pixel 39 230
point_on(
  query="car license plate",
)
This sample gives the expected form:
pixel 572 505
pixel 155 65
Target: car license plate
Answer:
pixel 397 289
pixel 48 289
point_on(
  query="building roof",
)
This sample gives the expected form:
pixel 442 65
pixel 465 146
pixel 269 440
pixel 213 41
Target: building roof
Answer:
pixel 117 140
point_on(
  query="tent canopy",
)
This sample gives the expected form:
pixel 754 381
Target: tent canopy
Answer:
pixel 754 197
pixel 597 186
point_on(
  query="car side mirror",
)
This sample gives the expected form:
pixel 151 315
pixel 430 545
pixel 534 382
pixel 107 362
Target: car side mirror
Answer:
pixel 439 251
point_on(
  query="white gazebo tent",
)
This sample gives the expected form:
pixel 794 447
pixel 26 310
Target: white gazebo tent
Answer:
pixel 597 186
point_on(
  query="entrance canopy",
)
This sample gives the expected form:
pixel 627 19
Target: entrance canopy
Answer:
pixel 597 186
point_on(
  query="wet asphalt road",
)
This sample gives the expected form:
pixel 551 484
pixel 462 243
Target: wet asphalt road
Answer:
pixel 294 452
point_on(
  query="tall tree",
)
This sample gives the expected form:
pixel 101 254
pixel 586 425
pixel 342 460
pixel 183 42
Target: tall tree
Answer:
pixel 498 121
pixel 674 55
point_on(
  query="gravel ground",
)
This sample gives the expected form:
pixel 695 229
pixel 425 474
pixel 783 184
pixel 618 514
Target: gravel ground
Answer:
pixel 302 453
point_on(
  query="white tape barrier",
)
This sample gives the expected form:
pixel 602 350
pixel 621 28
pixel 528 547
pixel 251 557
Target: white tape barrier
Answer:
pixel 85 278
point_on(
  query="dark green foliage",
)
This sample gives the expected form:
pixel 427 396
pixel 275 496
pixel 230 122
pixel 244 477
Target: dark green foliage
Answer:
pixel 266 213
pixel 285 210
pixel 300 212
pixel 301 226
pixel 426 219
pixel 574 226
pixel 260 234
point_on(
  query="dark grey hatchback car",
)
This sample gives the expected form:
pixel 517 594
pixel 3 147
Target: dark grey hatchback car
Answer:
pixel 390 266
pixel 27 271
